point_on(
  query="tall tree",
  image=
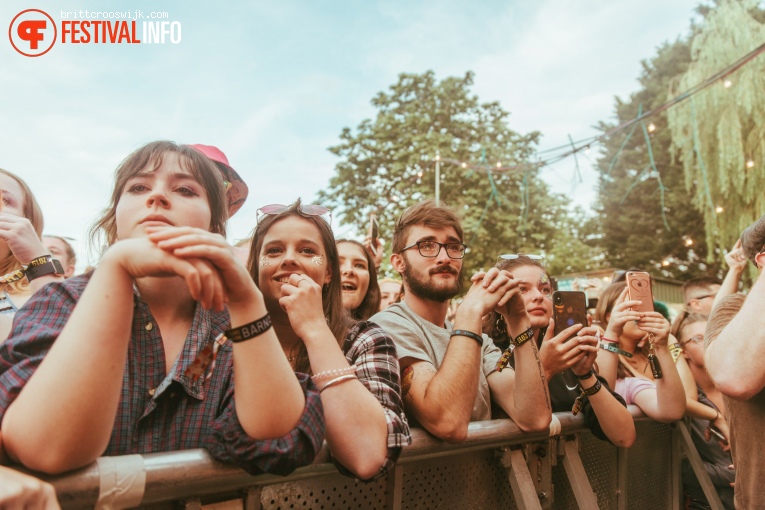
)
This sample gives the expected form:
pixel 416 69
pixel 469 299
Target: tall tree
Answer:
pixel 718 133
pixel 645 211
pixel 388 164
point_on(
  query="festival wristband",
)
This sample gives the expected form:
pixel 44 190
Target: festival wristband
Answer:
pixel 250 330
pixel 675 349
pixel 592 389
pixel 469 334
pixel 613 348
pixel 523 337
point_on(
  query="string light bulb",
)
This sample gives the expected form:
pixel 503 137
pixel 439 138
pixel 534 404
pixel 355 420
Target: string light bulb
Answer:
pixel 665 262
pixel 464 165
pixel 727 84
pixel 587 150
pixel 438 157
pixel 651 127
pixel 419 174
pixel 719 209
pixel 499 164
pixel 750 164
pixel 689 241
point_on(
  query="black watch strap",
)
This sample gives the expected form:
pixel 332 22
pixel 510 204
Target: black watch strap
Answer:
pixel 42 266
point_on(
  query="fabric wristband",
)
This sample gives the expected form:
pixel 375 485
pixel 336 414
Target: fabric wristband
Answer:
pixel 612 348
pixel 250 330
pixel 523 337
pixel 469 334
pixel 592 389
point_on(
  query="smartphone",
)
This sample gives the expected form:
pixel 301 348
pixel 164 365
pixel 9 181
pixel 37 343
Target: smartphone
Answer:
pixel 716 433
pixel 569 308
pixel 373 233
pixel 639 285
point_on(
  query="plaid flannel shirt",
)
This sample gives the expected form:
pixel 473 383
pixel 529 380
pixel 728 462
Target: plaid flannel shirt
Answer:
pixel 372 352
pixel 161 411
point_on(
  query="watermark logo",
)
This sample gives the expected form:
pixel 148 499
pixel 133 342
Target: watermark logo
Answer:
pixel 32 32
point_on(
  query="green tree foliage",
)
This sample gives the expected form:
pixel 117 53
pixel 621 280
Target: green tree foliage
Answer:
pixel 635 232
pixel 718 133
pixel 388 163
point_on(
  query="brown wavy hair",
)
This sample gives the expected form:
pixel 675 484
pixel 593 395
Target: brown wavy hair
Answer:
pixel 151 156
pixel 331 294
pixel 32 212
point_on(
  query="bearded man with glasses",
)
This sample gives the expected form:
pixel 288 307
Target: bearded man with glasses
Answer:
pixel 449 375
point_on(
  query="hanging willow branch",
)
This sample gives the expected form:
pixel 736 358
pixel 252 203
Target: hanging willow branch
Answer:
pixel 720 142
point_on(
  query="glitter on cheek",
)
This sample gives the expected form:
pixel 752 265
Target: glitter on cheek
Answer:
pixel 543 278
pixel 264 261
pixel 317 261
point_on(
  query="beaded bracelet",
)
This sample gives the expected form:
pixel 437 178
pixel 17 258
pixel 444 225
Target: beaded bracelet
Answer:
pixel 335 372
pixel 338 380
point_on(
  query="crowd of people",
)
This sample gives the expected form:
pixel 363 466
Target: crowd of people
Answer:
pixel 139 354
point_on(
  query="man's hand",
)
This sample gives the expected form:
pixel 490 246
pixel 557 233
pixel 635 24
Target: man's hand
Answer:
pixel 18 490
pixel 735 258
pixel 489 291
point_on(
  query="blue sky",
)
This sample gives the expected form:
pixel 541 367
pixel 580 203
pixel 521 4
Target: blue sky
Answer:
pixel 273 84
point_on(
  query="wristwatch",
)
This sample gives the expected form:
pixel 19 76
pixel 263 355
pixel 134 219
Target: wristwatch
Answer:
pixel 42 266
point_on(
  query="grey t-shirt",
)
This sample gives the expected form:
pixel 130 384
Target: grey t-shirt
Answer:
pixel 422 340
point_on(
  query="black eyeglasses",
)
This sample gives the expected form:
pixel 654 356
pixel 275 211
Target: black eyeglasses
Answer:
pixel 303 209
pixel 513 256
pixel 431 249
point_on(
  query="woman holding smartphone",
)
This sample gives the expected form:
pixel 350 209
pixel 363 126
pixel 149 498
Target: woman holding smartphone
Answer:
pixel 567 358
pixel 294 259
pixel 139 355
pixel 635 350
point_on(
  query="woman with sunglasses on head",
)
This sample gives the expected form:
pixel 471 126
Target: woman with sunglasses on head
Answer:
pixel 358 279
pixel 25 264
pixel 635 344
pixel 294 260
pixel 567 358
pixel 689 330
pixel 138 356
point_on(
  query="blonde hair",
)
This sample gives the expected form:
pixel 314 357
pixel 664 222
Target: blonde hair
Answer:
pixel 32 212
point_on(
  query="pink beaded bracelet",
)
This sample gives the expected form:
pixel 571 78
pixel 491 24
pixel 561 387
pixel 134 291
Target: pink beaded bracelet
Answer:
pixel 335 372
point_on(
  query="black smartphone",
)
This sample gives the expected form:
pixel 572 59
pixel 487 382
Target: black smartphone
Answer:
pixel 373 233
pixel 569 308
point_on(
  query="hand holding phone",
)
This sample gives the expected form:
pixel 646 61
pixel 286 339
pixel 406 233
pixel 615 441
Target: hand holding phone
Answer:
pixel 373 234
pixel 569 308
pixel 639 289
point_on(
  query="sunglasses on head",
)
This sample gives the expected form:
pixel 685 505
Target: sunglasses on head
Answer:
pixel 513 256
pixel 303 210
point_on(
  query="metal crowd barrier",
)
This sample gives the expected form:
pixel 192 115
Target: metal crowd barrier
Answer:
pixel 498 466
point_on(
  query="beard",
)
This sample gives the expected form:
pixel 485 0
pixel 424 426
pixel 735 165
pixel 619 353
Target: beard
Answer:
pixel 424 288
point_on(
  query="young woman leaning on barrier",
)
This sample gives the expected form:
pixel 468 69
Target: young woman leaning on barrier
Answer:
pixel 139 355
pixel 567 358
pixel 626 364
pixel 21 224
pixel 294 260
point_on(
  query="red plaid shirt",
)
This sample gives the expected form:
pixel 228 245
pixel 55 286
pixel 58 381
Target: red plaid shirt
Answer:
pixel 161 412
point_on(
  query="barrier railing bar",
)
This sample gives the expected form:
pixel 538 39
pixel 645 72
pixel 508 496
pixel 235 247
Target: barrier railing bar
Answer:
pixel 698 467
pixel 621 478
pixel 395 488
pixel 524 491
pixel 172 474
pixel 577 476
pixel 676 470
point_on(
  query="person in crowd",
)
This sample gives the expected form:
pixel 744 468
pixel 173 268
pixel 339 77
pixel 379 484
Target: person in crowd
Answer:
pixel 689 329
pixel 449 370
pixel 631 340
pixel 62 250
pixel 295 261
pixel 139 355
pixel 699 294
pixel 390 292
pixel 567 358
pixel 735 350
pixel 25 265
pixel 358 280
pixel 736 260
